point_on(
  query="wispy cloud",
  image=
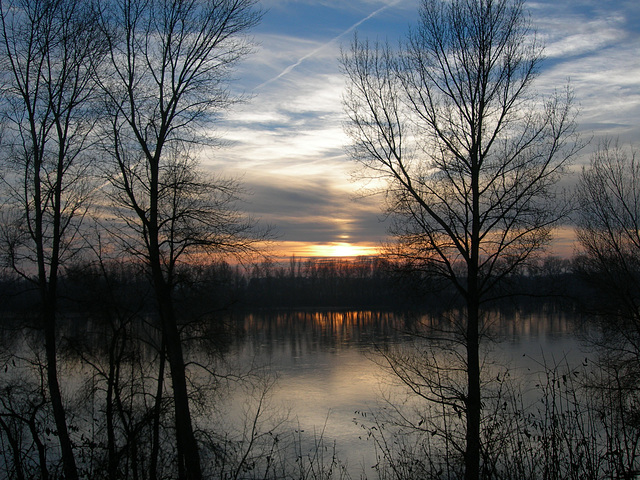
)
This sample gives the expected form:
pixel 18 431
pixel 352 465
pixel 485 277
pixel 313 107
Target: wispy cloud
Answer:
pixel 287 143
pixel 297 126
pixel 595 48
pixel 314 209
pixel 314 52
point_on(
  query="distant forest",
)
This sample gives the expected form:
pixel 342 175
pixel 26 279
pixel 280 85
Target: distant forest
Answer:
pixel 356 283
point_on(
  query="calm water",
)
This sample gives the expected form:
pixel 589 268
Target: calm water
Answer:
pixel 324 371
pixel 327 370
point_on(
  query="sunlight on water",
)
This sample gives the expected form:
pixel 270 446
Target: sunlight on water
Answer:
pixel 318 376
pixel 329 370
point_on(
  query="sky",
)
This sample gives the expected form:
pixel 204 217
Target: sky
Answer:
pixel 286 142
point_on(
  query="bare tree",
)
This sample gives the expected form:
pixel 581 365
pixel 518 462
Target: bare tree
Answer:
pixel 470 156
pixel 165 85
pixel 608 197
pixel 49 53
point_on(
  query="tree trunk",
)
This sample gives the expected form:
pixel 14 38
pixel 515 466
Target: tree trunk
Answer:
pixel 112 386
pixel 187 446
pixel 473 401
pixel 155 446
pixel 42 450
pixel 68 459
pixel 15 450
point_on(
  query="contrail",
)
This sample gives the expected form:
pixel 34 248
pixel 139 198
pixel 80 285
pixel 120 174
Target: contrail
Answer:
pixel 323 46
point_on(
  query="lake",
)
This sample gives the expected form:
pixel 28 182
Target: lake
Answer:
pixel 329 373
pixel 318 380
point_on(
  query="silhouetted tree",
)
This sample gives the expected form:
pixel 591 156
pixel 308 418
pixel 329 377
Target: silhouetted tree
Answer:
pixel 165 85
pixel 608 197
pixel 49 51
pixel 470 155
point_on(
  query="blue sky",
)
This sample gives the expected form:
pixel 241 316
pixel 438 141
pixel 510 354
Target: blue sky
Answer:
pixel 287 145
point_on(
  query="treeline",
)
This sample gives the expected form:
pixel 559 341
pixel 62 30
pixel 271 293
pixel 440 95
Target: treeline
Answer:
pixel 371 282
pixel 366 282
pixel 380 282
pixel 363 282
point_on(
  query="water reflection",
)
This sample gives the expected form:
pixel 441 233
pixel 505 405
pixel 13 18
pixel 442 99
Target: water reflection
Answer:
pixel 523 326
pixel 302 332
pixel 327 363
pixel 307 331
pixel 326 360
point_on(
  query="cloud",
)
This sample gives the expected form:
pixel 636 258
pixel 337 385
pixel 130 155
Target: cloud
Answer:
pixel 595 48
pixel 287 142
pixel 314 210
pixel 293 126
pixel 323 46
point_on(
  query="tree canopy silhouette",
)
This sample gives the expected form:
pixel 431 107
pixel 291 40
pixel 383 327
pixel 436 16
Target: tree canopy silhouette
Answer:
pixel 469 154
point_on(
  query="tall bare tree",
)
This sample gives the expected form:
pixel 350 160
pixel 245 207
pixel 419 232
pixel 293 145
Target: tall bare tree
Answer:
pixel 170 60
pixel 470 156
pixel 49 53
pixel 608 197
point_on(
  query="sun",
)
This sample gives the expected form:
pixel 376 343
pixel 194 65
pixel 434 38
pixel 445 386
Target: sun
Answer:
pixel 328 249
pixel 341 249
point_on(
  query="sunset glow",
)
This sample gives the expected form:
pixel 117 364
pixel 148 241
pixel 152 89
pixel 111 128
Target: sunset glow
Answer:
pixel 287 143
pixel 333 249
pixel 342 250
